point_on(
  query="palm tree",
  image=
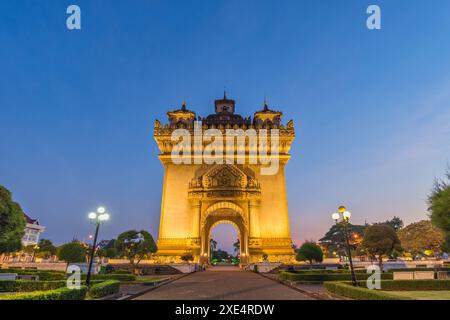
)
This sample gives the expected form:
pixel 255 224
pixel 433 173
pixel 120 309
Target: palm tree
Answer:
pixel 213 244
pixel 237 246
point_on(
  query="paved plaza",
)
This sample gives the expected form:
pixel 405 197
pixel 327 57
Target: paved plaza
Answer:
pixel 224 283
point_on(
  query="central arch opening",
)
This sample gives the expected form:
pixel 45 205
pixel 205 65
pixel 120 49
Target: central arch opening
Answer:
pixel 218 214
pixel 224 244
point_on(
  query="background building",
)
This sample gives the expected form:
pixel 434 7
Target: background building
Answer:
pixel 33 231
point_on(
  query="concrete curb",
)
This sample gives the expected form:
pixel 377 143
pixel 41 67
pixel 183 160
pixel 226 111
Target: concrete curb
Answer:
pixel 292 286
pixel 144 291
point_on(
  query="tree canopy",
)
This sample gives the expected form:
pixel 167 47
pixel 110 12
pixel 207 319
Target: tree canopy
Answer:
pixel 72 252
pixel 381 240
pixel 439 206
pixel 46 249
pixel 421 236
pixel 395 223
pixel 309 251
pixel 12 222
pixel 334 239
pixel 135 245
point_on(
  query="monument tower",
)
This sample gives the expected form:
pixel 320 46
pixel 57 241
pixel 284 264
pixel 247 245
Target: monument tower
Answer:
pixel 198 196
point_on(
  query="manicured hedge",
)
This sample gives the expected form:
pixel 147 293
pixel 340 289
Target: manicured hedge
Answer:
pixel 112 276
pixel 27 286
pixel 56 294
pixel 104 288
pixel 58 275
pixel 413 285
pixel 345 289
pixel 43 275
pixel 28 271
pixel 321 277
pixel 321 271
pixel 418 269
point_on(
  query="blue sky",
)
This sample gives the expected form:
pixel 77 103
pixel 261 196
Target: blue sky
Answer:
pixel 371 108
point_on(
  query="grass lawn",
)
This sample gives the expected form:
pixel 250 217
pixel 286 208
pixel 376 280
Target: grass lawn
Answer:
pixel 423 295
pixel 7 293
pixel 149 279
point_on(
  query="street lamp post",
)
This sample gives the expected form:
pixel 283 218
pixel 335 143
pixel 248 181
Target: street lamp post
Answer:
pixel 345 221
pixel 98 218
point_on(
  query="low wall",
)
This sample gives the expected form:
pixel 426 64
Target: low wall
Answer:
pixel 56 266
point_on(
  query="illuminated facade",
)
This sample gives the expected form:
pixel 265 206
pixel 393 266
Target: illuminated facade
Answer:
pixel 197 197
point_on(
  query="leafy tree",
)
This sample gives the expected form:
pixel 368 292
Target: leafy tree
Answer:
pixel 135 245
pixel 381 240
pixel 187 257
pixel 220 255
pixel 309 251
pixel 30 249
pixel 100 253
pixel 46 249
pixel 395 223
pixel 12 223
pixel 72 252
pixel 334 239
pixel 420 236
pixel 111 253
pixel 439 206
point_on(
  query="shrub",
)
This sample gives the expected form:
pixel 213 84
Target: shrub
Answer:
pixel 418 269
pixel 26 286
pixel 43 275
pixel 321 277
pixel 103 289
pixel 57 294
pixel 309 251
pixel 72 252
pixel 112 276
pixel 414 285
pixel 327 271
pixel 359 293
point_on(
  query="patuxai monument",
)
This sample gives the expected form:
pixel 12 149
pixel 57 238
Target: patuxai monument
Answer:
pixel 204 188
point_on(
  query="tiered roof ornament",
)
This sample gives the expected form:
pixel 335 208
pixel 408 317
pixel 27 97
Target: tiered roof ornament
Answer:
pixel 267 116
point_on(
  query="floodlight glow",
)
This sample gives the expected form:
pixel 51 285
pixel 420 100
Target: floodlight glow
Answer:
pixel 347 215
pixel 335 216
pixel 92 215
pixel 101 210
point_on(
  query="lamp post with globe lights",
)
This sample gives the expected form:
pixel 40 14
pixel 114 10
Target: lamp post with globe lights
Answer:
pixel 98 217
pixel 344 216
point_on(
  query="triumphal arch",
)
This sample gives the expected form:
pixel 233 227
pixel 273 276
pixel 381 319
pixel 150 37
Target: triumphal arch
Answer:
pixel 198 194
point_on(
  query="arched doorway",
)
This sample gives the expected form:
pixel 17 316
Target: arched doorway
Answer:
pixel 223 213
pixel 224 244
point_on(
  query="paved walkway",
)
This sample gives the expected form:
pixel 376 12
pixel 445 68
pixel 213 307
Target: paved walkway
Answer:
pixel 225 284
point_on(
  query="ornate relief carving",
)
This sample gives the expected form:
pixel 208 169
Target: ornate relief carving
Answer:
pixel 224 181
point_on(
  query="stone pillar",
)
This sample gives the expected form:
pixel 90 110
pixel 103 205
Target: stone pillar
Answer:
pixel 253 213
pixel 196 214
